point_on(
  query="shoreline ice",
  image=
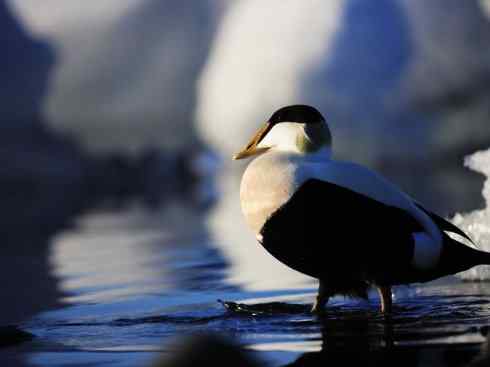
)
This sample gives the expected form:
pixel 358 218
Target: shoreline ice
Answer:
pixel 477 222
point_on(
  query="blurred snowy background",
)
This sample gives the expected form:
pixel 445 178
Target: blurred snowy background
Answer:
pixel 405 84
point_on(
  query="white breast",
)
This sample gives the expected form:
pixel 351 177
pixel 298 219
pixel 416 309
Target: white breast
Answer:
pixel 268 182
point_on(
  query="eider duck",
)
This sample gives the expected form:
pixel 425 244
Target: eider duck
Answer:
pixel 338 221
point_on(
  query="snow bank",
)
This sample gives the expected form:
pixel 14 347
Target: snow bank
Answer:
pixel 477 223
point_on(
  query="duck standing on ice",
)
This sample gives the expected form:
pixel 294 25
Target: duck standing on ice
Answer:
pixel 338 221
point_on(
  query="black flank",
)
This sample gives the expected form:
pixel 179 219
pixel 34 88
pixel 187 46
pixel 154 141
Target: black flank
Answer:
pixel 332 233
pixel 350 240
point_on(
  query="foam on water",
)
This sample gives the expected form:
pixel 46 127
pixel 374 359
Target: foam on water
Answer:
pixel 477 223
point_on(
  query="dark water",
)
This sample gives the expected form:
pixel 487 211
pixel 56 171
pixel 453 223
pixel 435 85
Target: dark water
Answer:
pixel 133 280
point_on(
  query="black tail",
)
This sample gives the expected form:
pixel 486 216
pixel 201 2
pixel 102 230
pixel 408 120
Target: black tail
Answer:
pixel 457 257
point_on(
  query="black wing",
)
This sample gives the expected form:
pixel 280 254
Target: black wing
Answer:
pixel 326 231
pixel 444 225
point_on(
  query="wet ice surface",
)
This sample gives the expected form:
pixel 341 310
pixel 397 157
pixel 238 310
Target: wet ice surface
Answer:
pixel 134 280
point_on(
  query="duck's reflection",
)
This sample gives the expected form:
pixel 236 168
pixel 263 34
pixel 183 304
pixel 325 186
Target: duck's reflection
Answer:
pixel 362 341
pixel 353 341
pixel 345 341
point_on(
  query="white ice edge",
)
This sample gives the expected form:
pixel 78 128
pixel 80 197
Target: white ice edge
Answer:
pixel 477 223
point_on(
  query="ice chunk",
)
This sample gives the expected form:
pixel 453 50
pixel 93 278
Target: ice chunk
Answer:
pixel 477 223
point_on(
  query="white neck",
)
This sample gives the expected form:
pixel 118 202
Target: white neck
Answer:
pixel 286 137
pixel 282 137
